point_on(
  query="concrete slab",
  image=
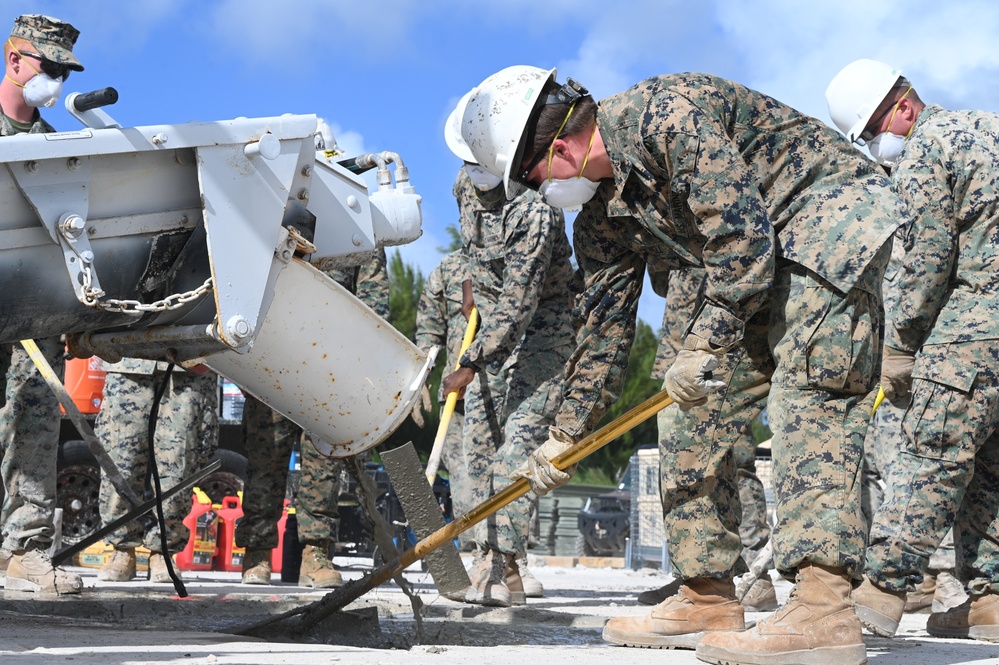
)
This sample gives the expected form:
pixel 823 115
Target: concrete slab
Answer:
pixel 138 623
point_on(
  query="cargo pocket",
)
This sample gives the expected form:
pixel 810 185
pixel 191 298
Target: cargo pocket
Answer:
pixel 939 406
pixel 843 347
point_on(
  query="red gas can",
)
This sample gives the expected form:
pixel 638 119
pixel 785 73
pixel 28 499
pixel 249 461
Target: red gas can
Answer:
pixel 201 546
pixel 277 554
pixel 230 557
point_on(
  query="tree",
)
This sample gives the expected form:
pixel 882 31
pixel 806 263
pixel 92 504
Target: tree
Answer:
pixel 405 287
pixel 610 461
pixel 455 240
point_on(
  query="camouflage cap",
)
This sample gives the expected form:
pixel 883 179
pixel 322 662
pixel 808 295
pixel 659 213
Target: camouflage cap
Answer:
pixel 53 38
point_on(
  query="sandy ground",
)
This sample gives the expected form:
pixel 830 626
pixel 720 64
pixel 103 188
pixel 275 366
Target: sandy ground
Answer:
pixel 138 623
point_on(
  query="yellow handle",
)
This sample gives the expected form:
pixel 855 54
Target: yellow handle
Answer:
pixel 877 400
pixel 452 400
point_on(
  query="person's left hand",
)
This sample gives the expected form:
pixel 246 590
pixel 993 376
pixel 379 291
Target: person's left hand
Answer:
pixel 457 380
pixel 689 380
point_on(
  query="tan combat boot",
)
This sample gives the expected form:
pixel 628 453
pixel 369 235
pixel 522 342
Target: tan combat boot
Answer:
pixel 256 566
pixel 158 573
pixel 700 606
pixel 120 567
pixel 5 556
pixel 317 570
pixel 761 597
pixel 488 579
pixel 977 619
pixel 817 626
pixel 32 570
pixel 513 580
pixel 922 596
pixel 949 594
pixel 532 587
pixel 880 610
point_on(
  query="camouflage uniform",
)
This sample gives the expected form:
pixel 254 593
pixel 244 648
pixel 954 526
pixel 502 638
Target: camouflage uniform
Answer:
pixel 439 322
pixel 518 261
pixel 269 438
pixel 948 468
pixel 29 427
pixel 186 436
pixel 793 227
pixel 684 293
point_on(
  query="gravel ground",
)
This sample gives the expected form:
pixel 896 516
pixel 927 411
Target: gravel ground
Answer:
pixel 138 623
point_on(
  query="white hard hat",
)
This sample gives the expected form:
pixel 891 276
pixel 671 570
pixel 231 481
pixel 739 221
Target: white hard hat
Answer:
pixel 856 92
pixel 452 131
pixel 496 118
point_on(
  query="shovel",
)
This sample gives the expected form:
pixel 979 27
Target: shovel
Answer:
pixel 452 400
pixel 353 590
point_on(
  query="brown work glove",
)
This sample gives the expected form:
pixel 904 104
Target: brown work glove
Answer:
pixel 538 469
pixel 422 404
pixel 689 380
pixel 896 373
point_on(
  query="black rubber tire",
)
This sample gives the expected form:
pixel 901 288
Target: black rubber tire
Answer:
pixel 582 547
pixel 78 487
pixel 229 479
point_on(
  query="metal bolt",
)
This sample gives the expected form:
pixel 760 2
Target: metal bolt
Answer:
pixel 307 170
pixel 303 194
pixel 31 166
pixel 238 327
pixel 353 203
pixel 356 239
pixel 73 163
pixel 286 255
pixel 87 256
pixel 159 139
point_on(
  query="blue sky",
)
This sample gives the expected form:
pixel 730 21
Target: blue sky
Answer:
pixel 386 73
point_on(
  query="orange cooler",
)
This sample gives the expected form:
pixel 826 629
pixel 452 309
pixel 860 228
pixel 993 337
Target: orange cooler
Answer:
pixel 84 380
pixel 203 523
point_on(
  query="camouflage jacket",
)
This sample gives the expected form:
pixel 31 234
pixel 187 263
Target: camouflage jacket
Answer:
pixel 368 281
pixel 948 178
pixel 439 321
pixel 517 255
pixel 711 174
pixel 38 127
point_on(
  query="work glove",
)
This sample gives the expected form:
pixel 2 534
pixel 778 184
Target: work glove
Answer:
pixel 538 469
pixel 896 373
pixel 689 380
pixel 422 404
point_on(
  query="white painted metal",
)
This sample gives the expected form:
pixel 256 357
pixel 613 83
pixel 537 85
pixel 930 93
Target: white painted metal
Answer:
pixel 329 363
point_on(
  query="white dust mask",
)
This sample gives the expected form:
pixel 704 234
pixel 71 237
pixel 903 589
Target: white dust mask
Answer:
pixel 568 194
pixel 42 91
pixel 481 178
pixel 885 148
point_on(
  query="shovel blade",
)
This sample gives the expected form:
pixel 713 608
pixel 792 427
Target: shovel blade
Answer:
pixel 423 513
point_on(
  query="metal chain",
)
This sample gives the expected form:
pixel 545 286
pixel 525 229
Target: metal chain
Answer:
pixel 175 301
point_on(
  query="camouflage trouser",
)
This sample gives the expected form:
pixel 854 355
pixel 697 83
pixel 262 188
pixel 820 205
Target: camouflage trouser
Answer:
pixel 819 349
pixel 506 419
pixel 186 436
pixel 29 437
pixel 453 459
pixel 714 505
pixel 269 438
pixel 946 473
pixel 881 449
pixel 827 347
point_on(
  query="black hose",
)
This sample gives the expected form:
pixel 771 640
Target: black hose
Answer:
pixel 154 411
